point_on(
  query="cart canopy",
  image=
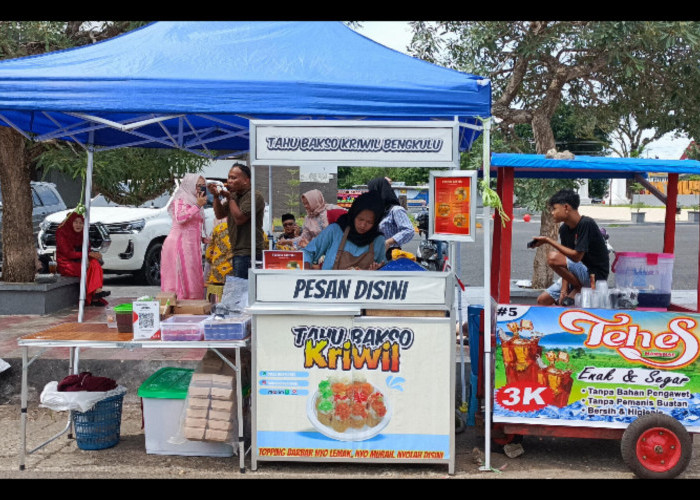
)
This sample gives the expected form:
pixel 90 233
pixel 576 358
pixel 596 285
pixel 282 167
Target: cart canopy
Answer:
pixel 195 85
pixel 590 167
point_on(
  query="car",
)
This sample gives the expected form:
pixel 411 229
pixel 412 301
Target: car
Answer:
pixel 46 200
pixel 136 234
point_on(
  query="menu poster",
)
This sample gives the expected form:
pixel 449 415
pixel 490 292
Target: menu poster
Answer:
pixel 453 213
pixel 283 259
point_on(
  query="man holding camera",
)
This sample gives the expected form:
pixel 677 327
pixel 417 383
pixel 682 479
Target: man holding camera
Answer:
pixel 235 203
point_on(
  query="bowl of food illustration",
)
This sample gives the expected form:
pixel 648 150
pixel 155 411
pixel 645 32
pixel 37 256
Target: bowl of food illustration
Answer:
pixel 460 194
pixel 348 409
pixel 443 209
pixel 459 220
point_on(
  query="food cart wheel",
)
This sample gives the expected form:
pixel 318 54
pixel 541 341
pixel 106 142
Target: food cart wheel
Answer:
pixel 500 438
pixel 656 446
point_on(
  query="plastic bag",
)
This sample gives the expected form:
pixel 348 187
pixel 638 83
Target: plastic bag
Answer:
pixel 234 298
pixel 81 401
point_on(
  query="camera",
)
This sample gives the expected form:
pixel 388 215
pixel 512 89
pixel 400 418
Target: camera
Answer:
pixel 531 244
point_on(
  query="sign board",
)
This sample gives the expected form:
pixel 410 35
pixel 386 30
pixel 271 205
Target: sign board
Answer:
pixel 595 367
pixel 452 205
pixel 283 259
pixel 341 287
pixel 353 388
pixel 146 319
pixel 354 143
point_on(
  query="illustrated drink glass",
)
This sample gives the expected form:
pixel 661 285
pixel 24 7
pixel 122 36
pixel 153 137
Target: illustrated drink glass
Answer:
pixel 519 358
pixel 559 381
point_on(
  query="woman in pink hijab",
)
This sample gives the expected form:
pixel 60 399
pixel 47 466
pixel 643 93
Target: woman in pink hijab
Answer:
pixel 181 259
pixel 316 219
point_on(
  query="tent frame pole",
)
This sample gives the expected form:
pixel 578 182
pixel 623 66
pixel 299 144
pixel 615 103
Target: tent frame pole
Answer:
pixel 86 228
pixel 486 222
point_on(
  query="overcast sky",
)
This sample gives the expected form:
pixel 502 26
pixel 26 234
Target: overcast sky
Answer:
pixel 397 35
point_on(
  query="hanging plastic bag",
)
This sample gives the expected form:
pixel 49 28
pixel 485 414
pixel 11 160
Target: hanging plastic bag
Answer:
pixel 234 298
pixel 81 401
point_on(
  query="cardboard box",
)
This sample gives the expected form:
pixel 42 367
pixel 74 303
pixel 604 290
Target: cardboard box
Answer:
pixel 165 297
pixel 192 307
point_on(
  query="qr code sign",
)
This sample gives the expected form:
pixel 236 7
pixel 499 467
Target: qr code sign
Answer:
pixel 146 320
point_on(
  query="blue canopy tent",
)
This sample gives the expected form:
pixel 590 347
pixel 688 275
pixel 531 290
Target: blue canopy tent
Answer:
pixel 196 85
pixel 508 166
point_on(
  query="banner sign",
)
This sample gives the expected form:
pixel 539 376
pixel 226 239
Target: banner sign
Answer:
pixel 595 367
pixel 406 144
pixel 453 205
pixel 283 259
pixel 338 387
pixel 342 287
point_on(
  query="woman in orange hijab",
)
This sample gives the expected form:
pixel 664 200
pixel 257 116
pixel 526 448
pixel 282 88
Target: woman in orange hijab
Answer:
pixel 69 244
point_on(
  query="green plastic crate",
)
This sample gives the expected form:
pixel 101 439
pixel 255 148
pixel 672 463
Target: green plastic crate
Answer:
pixel 167 383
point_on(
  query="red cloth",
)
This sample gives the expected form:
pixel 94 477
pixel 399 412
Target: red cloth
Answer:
pixel 334 213
pixel 86 381
pixel 68 257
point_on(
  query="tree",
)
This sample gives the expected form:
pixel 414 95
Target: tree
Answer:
pixel 18 156
pixel 149 172
pixel 606 69
pixel 352 176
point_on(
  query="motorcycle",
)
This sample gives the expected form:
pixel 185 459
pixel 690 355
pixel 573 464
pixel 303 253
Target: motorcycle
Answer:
pixel 431 254
pixel 606 237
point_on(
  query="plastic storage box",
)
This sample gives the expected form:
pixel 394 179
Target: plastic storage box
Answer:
pixel 650 273
pixel 227 328
pixel 182 327
pixel 164 395
pixel 125 321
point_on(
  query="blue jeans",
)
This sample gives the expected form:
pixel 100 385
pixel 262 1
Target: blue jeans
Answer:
pixel 578 269
pixel 241 264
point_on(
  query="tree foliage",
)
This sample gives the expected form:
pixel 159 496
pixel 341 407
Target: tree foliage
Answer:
pixel 21 157
pixel 605 70
pixel 128 176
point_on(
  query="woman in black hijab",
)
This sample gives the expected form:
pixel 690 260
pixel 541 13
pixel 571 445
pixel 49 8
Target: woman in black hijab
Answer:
pixel 395 225
pixel 353 241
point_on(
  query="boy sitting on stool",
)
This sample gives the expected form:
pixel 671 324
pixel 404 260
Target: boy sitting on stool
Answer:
pixel 582 256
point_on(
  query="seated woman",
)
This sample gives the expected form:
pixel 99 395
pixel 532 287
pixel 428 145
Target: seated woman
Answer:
pixel 353 241
pixel 316 219
pixel 69 245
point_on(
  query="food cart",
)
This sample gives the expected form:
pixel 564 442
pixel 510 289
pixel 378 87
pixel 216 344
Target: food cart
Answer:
pixel 627 373
pixel 359 365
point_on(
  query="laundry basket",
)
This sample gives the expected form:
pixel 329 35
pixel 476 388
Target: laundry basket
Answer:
pixel 99 427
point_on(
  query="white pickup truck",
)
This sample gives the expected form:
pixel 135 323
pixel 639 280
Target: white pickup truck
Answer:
pixel 136 234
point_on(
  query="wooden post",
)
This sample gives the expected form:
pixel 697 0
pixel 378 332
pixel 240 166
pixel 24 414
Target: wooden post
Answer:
pixel 506 236
pixel 670 222
pixel 496 247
